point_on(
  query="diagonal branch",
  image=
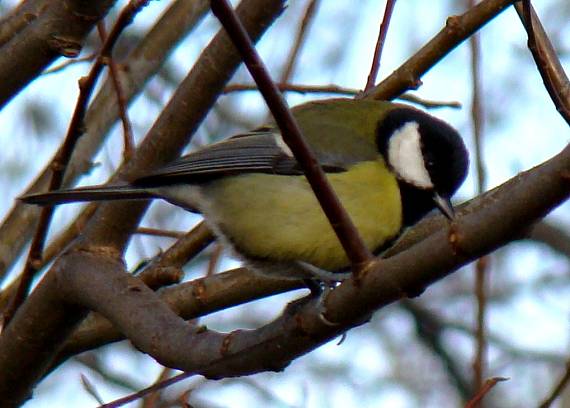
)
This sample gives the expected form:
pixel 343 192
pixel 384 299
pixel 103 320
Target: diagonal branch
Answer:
pixel 108 232
pixel 559 388
pixel 128 138
pixel 141 64
pixel 483 225
pixel 308 17
pixel 114 222
pixel 555 236
pixel 190 300
pixel 13 22
pixel 375 68
pixel 457 29
pixel 60 161
pixel 486 223
pixel 430 330
pixel 481 265
pixel 339 219
pixel 547 62
pixel 50 32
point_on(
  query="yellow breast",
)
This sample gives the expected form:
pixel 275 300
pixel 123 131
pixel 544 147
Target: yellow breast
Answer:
pixel 278 218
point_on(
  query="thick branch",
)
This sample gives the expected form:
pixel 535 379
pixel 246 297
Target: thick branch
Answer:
pixel 483 225
pixel 60 161
pixel 190 300
pixel 19 18
pixel 112 224
pixel 139 66
pixel 58 31
pixel 340 221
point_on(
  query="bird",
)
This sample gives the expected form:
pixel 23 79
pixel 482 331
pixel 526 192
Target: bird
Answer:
pixel 389 164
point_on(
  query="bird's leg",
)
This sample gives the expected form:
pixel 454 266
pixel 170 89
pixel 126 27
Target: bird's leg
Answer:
pixel 328 277
pixel 320 280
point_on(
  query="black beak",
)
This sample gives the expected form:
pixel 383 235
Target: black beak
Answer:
pixel 444 205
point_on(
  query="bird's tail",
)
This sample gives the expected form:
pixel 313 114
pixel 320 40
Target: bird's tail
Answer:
pixel 93 193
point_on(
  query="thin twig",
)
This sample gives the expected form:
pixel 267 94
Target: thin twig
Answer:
pixel 160 232
pixel 380 44
pixel 481 266
pixel 152 399
pixel 561 386
pixel 547 62
pixel 431 330
pixel 94 363
pixel 55 246
pixel 113 224
pixel 215 259
pixel 129 145
pixel 75 130
pixel 285 87
pixel 19 224
pixel 66 64
pixel 149 390
pixel 479 362
pixel 489 384
pixel 558 86
pixel 335 89
pixel 299 40
pixel 429 104
pixel 345 230
pixel 91 389
pixel 456 30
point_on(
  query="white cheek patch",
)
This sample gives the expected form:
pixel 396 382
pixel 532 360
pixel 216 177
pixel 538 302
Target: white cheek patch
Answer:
pixel 406 158
pixel 282 145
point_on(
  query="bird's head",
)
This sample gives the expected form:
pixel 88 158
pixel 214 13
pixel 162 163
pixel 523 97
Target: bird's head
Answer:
pixel 428 158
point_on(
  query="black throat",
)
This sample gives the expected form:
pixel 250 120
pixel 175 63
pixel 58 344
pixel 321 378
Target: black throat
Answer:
pixel 415 203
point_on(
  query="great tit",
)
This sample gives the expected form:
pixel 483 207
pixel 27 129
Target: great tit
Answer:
pixel 388 163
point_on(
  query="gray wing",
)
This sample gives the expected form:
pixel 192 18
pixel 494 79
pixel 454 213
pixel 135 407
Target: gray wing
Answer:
pixel 256 152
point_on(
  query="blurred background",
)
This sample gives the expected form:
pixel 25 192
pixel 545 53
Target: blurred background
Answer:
pixel 417 353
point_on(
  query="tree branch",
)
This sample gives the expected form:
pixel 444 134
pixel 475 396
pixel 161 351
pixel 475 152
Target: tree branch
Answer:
pixel 141 64
pixel 60 161
pixel 483 225
pixel 109 230
pixel 547 62
pixel 554 236
pixel 481 265
pixel 19 18
pixel 58 30
pixel 190 300
pixel 310 12
pixel 349 237
pixel 94 279
pixel 457 29
pixel 380 44
pixel 430 330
